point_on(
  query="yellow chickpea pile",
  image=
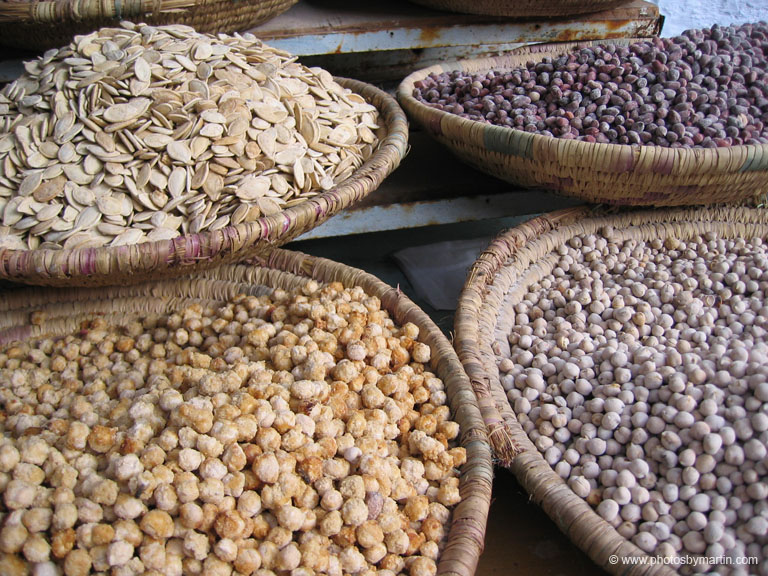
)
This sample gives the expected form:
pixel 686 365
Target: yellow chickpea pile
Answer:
pixel 299 432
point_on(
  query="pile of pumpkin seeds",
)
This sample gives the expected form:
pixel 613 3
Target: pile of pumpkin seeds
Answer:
pixel 144 133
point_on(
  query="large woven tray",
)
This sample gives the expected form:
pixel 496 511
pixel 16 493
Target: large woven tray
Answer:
pixel 64 310
pixel 601 173
pixel 53 23
pixel 195 252
pixel 522 8
pixel 480 331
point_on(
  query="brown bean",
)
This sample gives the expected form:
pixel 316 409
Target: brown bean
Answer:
pixel 666 87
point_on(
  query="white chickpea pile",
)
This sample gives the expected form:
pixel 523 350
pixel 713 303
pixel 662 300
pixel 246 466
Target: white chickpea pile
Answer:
pixel 640 372
pixel 299 432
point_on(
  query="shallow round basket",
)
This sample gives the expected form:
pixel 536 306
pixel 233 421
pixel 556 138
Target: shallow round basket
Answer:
pixel 29 312
pixel 52 23
pixel 195 252
pixel 522 8
pixel 615 174
pixel 500 277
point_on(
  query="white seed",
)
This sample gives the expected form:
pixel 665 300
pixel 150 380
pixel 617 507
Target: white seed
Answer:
pixel 579 485
pixel 662 387
pixel 608 509
pixel 152 113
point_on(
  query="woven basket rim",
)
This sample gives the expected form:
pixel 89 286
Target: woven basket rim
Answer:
pixel 477 318
pixel 42 25
pixel 51 11
pixel 278 269
pixel 265 232
pixel 500 134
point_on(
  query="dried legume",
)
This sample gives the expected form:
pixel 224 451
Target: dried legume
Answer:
pixel 236 436
pixel 704 88
pixel 670 455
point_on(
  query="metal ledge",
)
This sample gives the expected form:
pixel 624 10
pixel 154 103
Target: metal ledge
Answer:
pixel 339 27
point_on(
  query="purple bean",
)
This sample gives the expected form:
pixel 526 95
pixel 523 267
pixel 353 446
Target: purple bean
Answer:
pixel 704 88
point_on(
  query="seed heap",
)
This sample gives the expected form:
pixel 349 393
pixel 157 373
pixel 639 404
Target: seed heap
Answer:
pixel 298 432
pixel 142 133
pixel 705 88
pixel 640 371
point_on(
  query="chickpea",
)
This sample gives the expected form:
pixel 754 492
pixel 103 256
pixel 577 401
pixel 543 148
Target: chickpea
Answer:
pixel 657 412
pixel 233 459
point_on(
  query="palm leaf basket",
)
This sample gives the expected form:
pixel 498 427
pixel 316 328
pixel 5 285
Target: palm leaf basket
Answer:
pixel 39 25
pixel 195 252
pixel 62 311
pixel 601 173
pixel 524 8
pixel 500 278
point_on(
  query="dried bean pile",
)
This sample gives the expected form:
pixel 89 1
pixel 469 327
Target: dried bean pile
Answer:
pixel 145 133
pixel 640 371
pixel 705 88
pixel 297 433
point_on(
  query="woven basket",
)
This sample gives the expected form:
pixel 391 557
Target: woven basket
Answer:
pixel 499 277
pixel 522 8
pixel 64 310
pixel 191 253
pixel 49 24
pixel 602 173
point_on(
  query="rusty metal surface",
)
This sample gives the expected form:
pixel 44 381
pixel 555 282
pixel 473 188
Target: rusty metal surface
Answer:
pixel 339 27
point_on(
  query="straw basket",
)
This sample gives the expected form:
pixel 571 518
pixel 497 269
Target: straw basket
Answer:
pixel 498 279
pixel 49 24
pixel 522 8
pixel 194 252
pixel 64 310
pixel 602 173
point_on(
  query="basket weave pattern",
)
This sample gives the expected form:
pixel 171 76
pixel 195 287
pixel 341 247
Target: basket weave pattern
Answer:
pixel 64 309
pixel 522 8
pixel 602 173
pixel 185 254
pixel 499 278
pixel 53 23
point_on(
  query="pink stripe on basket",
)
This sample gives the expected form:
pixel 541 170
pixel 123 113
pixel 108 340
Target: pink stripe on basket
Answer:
pixel 15 334
pixel 286 224
pixel 91 258
pixel 434 124
pixel 187 248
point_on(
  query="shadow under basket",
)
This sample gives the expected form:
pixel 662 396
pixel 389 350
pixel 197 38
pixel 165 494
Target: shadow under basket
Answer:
pixel 194 252
pixel 617 174
pixel 497 281
pixel 26 313
pixel 524 8
pixel 53 23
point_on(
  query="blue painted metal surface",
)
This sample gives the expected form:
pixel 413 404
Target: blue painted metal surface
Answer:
pixel 311 28
pixel 400 216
